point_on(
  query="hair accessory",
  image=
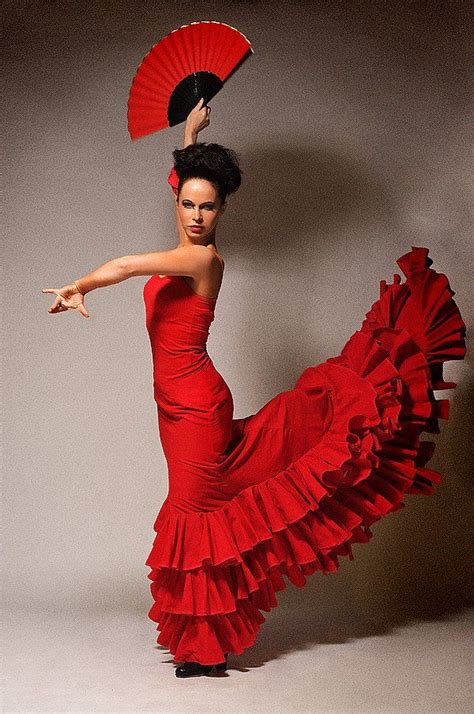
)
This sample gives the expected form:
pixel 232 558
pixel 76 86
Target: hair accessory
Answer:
pixel 190 62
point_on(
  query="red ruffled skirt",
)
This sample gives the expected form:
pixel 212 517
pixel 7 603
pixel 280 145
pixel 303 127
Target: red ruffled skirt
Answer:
pixel 213 572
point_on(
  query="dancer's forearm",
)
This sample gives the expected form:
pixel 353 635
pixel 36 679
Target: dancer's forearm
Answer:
pixel 190 137
pixel 111 272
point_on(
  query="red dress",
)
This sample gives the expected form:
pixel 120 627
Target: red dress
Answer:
pixel 286 491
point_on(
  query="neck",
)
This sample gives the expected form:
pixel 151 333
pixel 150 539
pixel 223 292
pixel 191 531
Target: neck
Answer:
pixel 183 238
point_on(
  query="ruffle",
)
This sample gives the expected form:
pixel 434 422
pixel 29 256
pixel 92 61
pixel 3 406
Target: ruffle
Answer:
pixel 221 633
pixel 212 572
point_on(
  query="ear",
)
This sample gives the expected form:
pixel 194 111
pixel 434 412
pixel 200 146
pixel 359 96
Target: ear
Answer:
pixel 223 207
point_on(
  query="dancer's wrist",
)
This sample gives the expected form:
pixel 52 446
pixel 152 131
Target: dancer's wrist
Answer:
pixel 190 137
pixel 78 287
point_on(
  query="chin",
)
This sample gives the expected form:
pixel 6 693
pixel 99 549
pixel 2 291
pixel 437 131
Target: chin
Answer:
pixel 197 235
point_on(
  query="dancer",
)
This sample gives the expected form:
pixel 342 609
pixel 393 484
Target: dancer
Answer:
pixel 285 491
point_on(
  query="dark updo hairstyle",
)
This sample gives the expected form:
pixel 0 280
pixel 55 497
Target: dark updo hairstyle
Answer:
pixel 212 162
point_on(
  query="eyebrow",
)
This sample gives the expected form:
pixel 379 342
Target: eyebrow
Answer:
pixel 201 204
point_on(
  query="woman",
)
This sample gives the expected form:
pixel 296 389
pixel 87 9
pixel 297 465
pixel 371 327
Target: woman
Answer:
pixel 285 491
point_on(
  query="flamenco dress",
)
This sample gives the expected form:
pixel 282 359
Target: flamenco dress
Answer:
pixel 288 490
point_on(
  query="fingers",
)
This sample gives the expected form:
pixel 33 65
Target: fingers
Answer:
pixel 83 310
pixel 199 116
pixel 56 306
pixel 199 106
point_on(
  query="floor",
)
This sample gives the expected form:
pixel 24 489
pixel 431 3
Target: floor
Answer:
pixel 96 662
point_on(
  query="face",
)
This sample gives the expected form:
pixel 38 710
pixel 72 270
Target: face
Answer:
pixel 199 208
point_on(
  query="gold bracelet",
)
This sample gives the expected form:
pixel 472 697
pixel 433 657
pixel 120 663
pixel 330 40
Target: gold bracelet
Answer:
pixel 77 287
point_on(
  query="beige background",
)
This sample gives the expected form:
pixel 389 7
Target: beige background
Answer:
pixel 352 124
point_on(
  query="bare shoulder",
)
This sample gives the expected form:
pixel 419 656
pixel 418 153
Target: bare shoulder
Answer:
pixel 208 277
pixel 206 259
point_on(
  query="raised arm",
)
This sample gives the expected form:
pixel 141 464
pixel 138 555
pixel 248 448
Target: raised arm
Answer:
pixel 198 118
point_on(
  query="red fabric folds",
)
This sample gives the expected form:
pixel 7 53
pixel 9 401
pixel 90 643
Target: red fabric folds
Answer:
pixel 213 572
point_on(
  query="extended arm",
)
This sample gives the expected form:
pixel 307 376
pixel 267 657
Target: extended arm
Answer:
pixel 190 260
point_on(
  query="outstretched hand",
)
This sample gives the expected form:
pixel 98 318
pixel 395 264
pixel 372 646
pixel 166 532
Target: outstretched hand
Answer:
pixel 67 298
pixel 198 118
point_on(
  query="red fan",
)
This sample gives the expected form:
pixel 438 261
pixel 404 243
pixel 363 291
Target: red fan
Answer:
pixel 191 62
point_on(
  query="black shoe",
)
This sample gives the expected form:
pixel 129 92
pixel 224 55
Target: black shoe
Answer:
pixel 222 666
pixel 194 669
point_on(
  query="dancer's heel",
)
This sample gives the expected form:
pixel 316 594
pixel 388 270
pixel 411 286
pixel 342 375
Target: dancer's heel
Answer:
pixel 194 669
pixel 222 666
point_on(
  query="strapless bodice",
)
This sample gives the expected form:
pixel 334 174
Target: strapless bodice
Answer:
pixel 177 318
pixel 178 322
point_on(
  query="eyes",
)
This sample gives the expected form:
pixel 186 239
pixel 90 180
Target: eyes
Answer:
pixel 206 206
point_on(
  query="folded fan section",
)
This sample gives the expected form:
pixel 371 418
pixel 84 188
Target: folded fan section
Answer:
pixel 213 572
